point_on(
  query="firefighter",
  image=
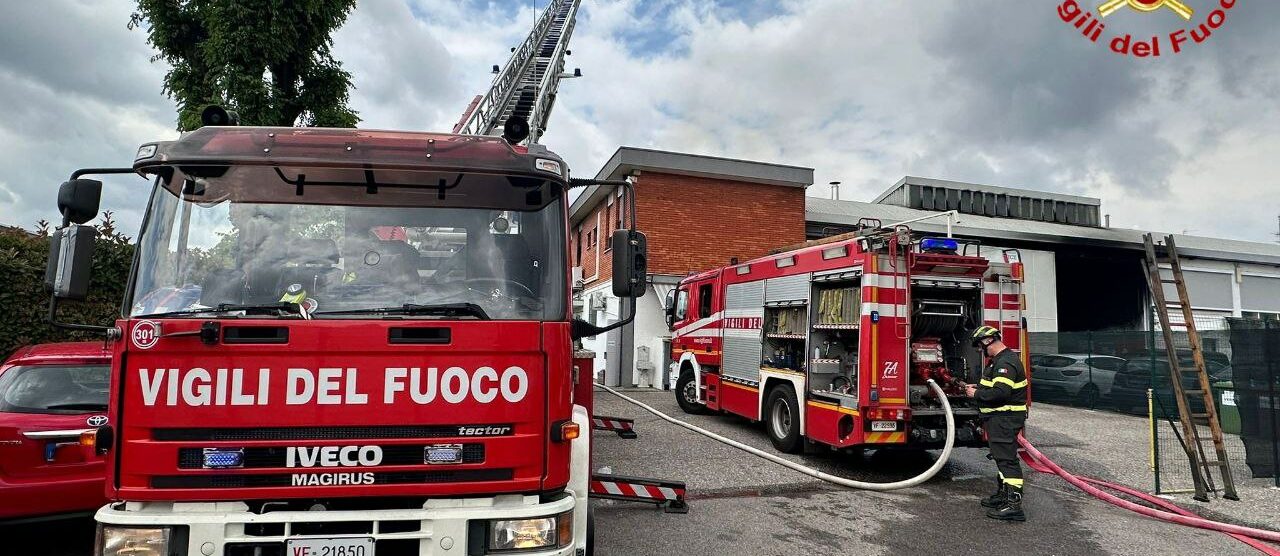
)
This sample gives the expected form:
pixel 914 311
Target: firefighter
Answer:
pixel 1002 401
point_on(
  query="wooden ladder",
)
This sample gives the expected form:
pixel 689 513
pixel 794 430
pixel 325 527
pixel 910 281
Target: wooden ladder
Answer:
pixel 1200 465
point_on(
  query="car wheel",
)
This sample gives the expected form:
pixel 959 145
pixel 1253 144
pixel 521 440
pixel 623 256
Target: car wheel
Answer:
pixel 1088 396
pixel 782 419
pixel 687 394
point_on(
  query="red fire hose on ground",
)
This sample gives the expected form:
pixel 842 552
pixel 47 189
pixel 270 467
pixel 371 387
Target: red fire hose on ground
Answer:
pixel 1174 514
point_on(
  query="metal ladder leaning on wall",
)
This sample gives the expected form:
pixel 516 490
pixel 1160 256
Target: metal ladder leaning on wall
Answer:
pixel 1194 444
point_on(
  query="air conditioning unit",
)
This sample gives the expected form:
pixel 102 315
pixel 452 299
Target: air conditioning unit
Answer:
pixel 575 277
pixel 598 302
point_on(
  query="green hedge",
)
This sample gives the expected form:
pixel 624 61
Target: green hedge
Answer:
pixel 24 303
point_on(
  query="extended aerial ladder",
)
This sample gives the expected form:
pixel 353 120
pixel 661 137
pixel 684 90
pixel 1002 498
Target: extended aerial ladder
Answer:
pixel 1201 465
pixel 526 86
pixel 524 90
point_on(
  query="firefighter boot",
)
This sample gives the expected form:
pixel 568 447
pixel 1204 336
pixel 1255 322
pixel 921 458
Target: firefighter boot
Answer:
pixel 1012 508
pixel 999 498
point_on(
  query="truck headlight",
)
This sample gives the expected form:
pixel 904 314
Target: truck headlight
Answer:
pixel 525 534
pixel 132 541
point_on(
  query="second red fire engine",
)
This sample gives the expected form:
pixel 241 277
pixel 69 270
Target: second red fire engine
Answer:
pixel 833 342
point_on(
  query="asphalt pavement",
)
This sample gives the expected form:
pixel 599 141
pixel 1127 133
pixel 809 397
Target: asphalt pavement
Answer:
pixel 744 506
pixel 740 505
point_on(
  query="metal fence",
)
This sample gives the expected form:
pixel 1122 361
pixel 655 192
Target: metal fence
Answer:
pixel 1128 372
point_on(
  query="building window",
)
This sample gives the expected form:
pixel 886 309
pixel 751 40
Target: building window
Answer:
pixel 1259 315
pixel 704 300
pixel 618 221
pixel 608 218
pixel 578 247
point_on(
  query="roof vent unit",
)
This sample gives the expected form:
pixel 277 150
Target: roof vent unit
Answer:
pixel 992 201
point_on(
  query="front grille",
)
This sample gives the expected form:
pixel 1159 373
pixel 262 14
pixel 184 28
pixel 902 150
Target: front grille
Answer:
pixel 193 458
pixel 331 433
pixel 331 528
pixel 286 479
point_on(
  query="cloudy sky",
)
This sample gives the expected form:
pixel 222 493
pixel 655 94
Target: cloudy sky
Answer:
pixel 991 91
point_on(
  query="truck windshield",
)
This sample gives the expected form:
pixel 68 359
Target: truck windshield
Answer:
pixel 350 243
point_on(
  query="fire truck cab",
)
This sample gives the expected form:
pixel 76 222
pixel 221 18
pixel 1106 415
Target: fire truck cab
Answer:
pixel 343 342
pixel 833 342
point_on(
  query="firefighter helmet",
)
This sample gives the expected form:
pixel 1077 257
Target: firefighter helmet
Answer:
pixel 982 333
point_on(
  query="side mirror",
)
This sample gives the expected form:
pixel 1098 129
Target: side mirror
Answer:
pixel 669 307
pixel 630 263
pixel 78 200
pixel 70 262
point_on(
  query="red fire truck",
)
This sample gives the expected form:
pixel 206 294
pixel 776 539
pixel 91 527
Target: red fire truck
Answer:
pixel 292 379
pixel 833 342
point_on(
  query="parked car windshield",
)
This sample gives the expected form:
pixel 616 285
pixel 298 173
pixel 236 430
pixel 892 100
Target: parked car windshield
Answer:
pixel 347 240
pixel 54 389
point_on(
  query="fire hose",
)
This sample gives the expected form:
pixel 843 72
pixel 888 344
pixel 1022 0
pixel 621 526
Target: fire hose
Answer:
pixel 861 485
pixel 1174 513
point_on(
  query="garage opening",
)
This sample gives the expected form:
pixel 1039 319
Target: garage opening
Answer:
pixel 1100 289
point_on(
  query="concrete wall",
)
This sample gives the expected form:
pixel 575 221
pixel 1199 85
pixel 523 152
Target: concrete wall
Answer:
pixel 649 330
pixel 1040 286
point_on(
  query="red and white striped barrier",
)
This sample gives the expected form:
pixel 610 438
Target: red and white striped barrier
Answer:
pixel 624 427
pixel 669 494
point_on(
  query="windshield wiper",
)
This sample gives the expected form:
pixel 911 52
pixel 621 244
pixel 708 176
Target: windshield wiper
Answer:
pixel 440 309
pixel 282 307
pixel 98 406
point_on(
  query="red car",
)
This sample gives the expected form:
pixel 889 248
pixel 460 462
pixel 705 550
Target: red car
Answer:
pixel 49 395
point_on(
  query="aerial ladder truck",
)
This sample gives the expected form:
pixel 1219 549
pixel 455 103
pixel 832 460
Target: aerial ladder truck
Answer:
pixel 349 342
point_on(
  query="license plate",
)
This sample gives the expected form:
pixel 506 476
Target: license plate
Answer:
pixel 334 546
pixel 884 426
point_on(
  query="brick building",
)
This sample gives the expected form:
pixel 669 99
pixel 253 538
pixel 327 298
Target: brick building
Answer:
pixel 697 212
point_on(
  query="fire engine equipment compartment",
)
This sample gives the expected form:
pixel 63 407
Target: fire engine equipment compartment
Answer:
pixel 833 368
pixel 943 312
pixel 785 336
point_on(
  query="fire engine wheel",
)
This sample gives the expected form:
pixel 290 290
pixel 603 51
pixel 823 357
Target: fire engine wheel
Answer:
pixel 687 394
pixel 782 419
pixel 591 531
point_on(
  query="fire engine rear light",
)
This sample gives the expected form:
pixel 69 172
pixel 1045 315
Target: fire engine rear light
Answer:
pixel 223 458
pixel 887 414
pixel 437 454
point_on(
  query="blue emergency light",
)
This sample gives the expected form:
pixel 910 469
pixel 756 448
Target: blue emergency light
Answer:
pixel 223 458
pixel 443 453
pixel 939 245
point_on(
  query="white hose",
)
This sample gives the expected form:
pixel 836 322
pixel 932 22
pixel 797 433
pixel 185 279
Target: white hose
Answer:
pixel 907 483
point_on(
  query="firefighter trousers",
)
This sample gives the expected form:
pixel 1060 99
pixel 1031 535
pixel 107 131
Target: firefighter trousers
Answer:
pixel 1002 439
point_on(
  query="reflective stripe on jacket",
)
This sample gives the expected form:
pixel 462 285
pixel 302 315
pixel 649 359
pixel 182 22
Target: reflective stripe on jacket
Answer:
pixel 1003 388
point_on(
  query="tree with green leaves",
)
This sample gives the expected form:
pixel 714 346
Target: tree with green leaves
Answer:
pixel 269 60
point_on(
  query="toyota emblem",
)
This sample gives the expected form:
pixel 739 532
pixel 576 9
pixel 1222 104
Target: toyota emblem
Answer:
pixel 97 421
